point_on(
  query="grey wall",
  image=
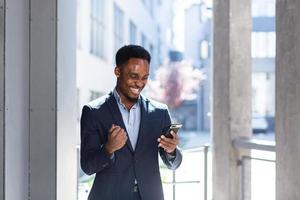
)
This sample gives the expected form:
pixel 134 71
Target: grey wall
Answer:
pixel 16 99
pixel 53 100
pixel 287 99
pixel 37 100
pixel 43 99
pixel 2 72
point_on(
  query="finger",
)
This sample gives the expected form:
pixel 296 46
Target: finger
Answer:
pixel 168 140
pixel 174 134
pixel 168 149
pixel 165 144
pixel 123 139
pixel 113 128
pixel 174 139
pixel 123 135
pixel 116 131
pixel 169 143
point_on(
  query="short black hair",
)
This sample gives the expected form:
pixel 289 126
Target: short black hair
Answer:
pixel 131 51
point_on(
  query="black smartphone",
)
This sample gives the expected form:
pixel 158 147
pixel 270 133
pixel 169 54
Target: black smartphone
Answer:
pixel 174 128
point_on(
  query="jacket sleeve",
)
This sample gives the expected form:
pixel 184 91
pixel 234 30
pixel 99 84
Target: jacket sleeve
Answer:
pixel 171 161
pixel 93 158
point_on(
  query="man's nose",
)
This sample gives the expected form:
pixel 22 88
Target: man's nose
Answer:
pixel 139 83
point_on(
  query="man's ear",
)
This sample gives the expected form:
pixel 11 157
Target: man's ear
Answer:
pixel 117 72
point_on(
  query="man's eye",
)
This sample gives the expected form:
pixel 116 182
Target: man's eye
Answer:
pixel 133 76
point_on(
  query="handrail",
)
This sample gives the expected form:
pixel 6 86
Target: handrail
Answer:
pixel 255 144
pixel 205 150
pixel 252 144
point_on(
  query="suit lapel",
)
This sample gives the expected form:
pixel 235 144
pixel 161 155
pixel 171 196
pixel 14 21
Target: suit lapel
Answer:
pixel 143 123
pixel 114 108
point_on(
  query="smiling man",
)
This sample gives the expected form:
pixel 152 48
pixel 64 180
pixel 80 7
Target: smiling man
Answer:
pixel 121 135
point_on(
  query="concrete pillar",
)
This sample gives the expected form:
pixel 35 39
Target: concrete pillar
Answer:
pixel 37 100
pixel 231 104
pixel 43 91
pixel 2 72
pixel 53 100
pixel 16 95
pixel 287 99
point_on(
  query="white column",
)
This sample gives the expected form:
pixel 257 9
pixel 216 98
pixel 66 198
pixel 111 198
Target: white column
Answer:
pixel 287 99
pixel 231 93
pixel 66 101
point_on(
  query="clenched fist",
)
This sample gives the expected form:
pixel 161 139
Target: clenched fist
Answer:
pixel 117 138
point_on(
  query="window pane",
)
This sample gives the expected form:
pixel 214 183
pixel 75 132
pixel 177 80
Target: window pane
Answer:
pixel 97 27
pixel 271 46
pixel 132 33
pixel 118 27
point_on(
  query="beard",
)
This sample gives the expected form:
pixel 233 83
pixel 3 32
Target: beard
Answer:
pixel 131 99
pixel 127 95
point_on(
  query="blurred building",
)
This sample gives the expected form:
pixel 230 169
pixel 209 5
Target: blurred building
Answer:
pixel 104 26
pixel 263 59
pixel 198 40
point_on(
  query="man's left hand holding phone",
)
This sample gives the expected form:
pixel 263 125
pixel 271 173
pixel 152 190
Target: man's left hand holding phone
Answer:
pixel 169 143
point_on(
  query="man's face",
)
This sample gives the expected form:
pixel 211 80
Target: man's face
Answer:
pixel 131 79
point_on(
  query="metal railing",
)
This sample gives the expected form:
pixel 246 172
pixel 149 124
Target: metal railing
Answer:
pixel 205 150
pixel 252 144
pixel 240 143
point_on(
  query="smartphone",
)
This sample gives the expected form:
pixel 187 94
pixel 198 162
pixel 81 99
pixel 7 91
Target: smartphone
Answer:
pixel 174 128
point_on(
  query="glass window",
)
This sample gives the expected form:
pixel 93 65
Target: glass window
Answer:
pixel 253 45
pixel 158 2
pixel 143 40
pixel 118 27
pixel 204 49
pixel 271 44
pixel 97 28
pixel 263 44
pixel 261 40
pixel 159 46
pixel 151 49
pixel 78 25
pixel 151 7
pixel 264 8
pixel 203 13
pixel 132 33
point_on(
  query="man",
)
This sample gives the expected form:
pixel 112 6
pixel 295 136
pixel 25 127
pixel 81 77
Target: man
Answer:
pixel 121 135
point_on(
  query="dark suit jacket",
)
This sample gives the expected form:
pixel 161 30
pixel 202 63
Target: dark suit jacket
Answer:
pixel 115 177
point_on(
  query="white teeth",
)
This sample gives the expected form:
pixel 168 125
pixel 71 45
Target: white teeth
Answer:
pixel 134 90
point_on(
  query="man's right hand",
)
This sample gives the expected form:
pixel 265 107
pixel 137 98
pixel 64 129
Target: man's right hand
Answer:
pixel 117 138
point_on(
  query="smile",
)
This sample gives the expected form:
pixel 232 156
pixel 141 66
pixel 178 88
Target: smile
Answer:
pixel 135 91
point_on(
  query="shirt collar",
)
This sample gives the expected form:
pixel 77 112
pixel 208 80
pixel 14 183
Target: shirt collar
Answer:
pixel 119 100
